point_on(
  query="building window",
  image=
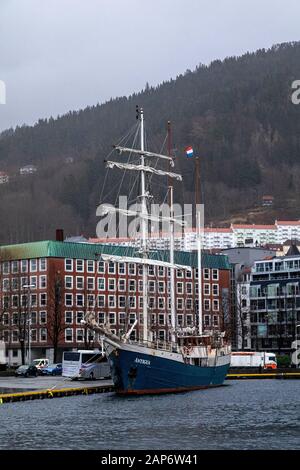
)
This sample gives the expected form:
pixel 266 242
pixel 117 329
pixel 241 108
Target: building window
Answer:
pixel 43 318
pixel 15 301
pixel 151 286
pixel 5 268
pixel 24 266
pixel 79 282
pixel 5 284
pixel 189 320
pixel 215 288
pixel 90 300
pixel 179 304
pixel 189 304
pixel 14 267
pixel 151 271
pixel 101 301
pixel 68 265
pixel 79 317
pixel 111 284
pixel 101 283
pixel 43 282
pixel 68 282
pixel 161 335
pixel 215 305
pixel 101 267
pixel 179 287
pixel 80 265
pixel 68 317
pixel 122 285
pixel 43 335
pixel 131 269
pixel 161 287
pixel 79 335
pixel 33 336
pixel 33 300
pixel 206 289
pixel 68 335
pixel 161 319
pixel 43 300
pixel 112 318
pixel 79 300
pixel 43 264
pixel 161 271
pixel 179 272
pixel 111 301
pixel 122 301
pixel 15 336
pixel 122 318
pixel 90 266
pixel 151 302
pixel 161 303
pixel 132 285
pixel 33 265
pixel 216 320
pixel 206 304
pixel 101 317
pixel 122 268
pixel 33 282
pixel 206 274
pixel 180 320
pixel 189 288
pixel 69 300
pixel 111 268
pixel 215 274
pixel 132 302
pixel 206 320
pixel 91 283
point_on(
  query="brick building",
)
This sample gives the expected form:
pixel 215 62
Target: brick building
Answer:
pixel 63 281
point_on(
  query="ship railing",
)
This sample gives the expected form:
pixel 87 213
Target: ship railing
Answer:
pixel 161 345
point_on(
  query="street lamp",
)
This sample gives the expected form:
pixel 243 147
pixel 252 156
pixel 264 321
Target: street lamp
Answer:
pixel 28 287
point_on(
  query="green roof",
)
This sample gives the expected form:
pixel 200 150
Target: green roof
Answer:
pixel 54 249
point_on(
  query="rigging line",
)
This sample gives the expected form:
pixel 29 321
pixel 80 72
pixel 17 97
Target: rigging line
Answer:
pixel 132 186
pixel 124 138
pixel 128 160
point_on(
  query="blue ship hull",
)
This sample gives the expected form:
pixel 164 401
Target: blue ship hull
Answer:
pixel 136 374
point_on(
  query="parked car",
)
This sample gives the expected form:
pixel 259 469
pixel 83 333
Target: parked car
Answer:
pixel 28 370
pixel 52 369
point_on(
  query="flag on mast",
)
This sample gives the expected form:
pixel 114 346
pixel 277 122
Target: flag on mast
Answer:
pixel 189 151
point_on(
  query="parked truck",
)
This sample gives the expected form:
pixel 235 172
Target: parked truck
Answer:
pixel 264 360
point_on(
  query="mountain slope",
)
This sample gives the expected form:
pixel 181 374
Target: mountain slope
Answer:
pixel 237 114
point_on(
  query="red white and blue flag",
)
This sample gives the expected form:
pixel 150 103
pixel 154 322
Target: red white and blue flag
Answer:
pixel 189 152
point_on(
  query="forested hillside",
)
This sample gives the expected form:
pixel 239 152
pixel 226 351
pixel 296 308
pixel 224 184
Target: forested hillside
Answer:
pixel 237 114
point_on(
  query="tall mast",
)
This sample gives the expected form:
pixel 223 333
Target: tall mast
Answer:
pixel 172 270
pixel 199 245
pixel 144 225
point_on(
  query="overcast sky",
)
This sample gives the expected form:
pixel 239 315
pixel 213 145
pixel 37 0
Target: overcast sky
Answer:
pixel 61 55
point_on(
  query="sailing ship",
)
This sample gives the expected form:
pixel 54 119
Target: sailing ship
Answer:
pixel 190 359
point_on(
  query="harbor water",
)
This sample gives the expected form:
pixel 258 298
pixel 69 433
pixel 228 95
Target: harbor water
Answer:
pixel 250 414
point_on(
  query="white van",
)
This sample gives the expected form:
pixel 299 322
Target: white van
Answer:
pixel 40 363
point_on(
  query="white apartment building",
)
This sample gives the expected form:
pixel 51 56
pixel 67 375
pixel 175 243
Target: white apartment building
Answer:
pixel 287 230
pixel 253 235
pixel 237 235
